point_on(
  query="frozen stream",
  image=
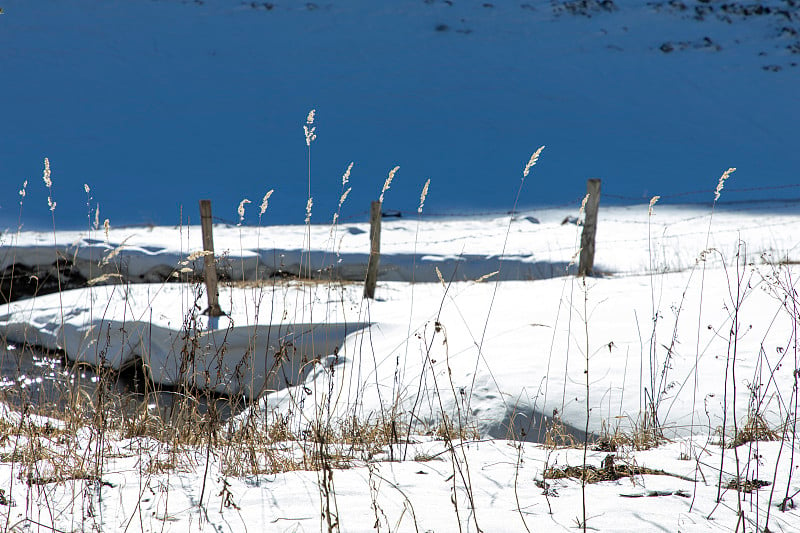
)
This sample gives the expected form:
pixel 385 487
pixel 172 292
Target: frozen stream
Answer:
pixel 44 380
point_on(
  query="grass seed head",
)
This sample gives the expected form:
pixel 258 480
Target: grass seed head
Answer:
pixel 196 255
pixel 265 203
pixel 487 276
pixel 308 129
pixel 573 260
pixel 653 201
pixel 721 182
pixel 532 161
pixel 48 183
pixel 46 176
pixel 344 196
pixel 423 195
pixel 346 175
pixel 310 135
pixel 388 182
pixel 441 278
pixel 240 210
pixel 582 210
pixel 309 204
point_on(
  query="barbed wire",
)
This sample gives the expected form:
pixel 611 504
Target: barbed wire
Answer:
pixel 709 192
pixel 748 205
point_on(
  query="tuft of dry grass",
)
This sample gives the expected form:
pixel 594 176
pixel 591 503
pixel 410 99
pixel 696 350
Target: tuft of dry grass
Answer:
pixel 558 436
pixel 747 485
pixel 610 470
pixel 445 429
pixel 642 435
pixel 754 429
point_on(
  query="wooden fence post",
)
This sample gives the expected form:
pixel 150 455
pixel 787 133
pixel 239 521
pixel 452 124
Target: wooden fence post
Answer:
pixel 210 263
pixel 586 264
pixel 374 249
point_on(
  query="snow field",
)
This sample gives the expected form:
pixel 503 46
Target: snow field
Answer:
pixel 476 375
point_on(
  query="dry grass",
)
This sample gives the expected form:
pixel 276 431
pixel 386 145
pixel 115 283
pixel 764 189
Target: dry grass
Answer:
pixel 447 430
pixel 558 436
pixel 176 437
pixel 642 435
pixel 754 429
pixel 747 485
pixel 609 471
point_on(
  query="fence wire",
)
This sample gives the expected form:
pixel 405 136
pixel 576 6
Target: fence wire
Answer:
pixel 750 204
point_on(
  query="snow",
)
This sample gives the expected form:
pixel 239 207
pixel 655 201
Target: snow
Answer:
pixel 537 244
pixel 706 337
pixel 413 495
pixel 479 321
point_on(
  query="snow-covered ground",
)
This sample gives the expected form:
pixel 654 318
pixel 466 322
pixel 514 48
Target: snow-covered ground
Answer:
pixel 536 244
pixel 422 494
pixel 693 320
pixel 479 325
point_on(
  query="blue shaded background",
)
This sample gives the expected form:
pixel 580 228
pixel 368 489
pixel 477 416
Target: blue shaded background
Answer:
pixel 157 104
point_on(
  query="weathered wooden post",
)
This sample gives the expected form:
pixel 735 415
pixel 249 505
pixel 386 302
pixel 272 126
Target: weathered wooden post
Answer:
pixel 589 228
pixel 210 262
pixel 374 249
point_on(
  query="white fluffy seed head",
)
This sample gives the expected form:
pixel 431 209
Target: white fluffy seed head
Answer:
pixel 441 278
pixel 583 205
pixel 308 129
pixel 265 203
pixel 240 210
pixel 573 260
pixel 106 227
pixel 423 195
pixel 388 182
pixel 653 201
pixel 22 192
pixel 196 255
pixel 86 188
pixel 104 277
pixel 721 183
pixel 310 135
pixel 532 161
pixel 344 196
pixel 46 176
pixel 346 176
pixel 487 276
pixel 97 217
pixel 309 204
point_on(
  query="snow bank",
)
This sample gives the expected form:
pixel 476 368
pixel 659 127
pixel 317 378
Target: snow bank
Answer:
pixel 260 345
pixel 503 356
pixel 532 245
